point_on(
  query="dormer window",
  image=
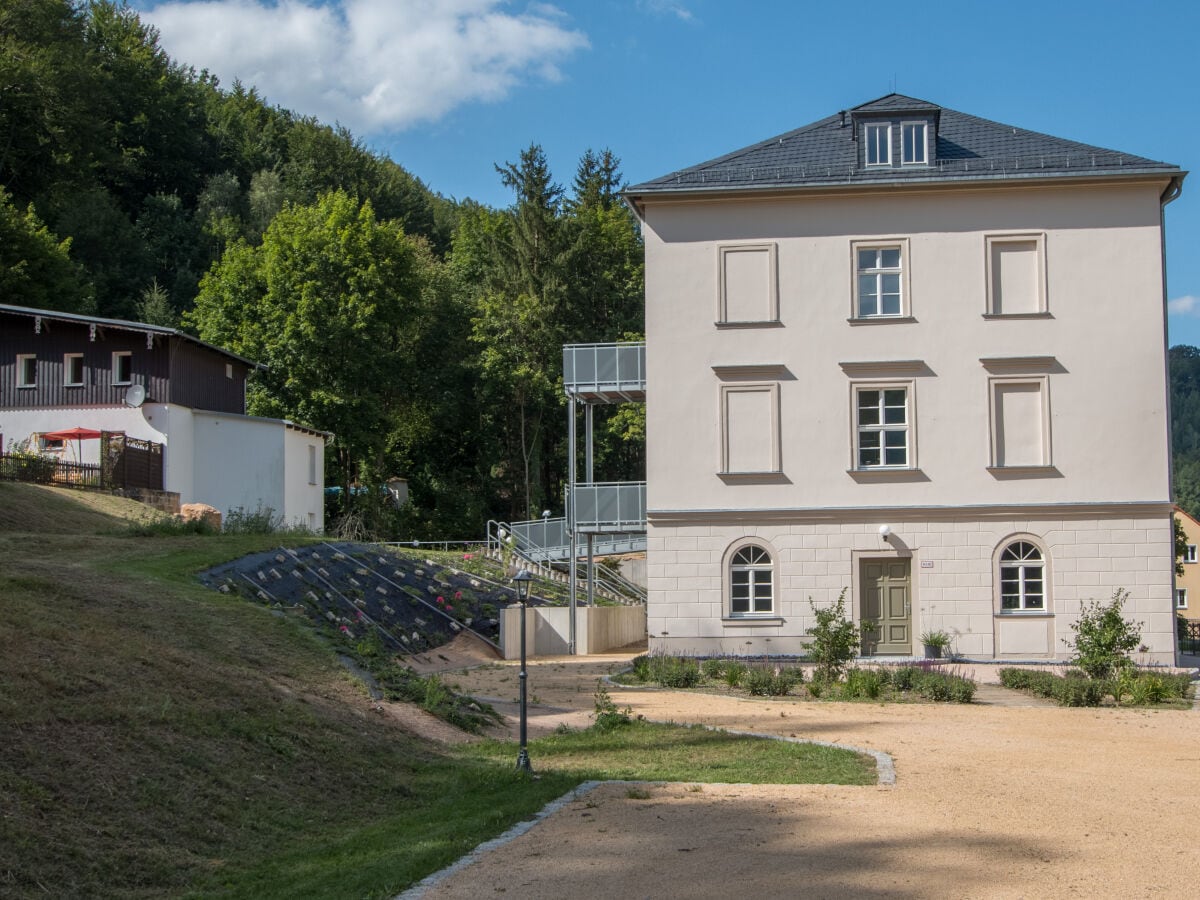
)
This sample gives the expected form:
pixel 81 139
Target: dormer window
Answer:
pixel 914 144
pixel 878 141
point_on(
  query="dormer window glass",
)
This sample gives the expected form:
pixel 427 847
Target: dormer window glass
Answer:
pixel 914 150
pixel 877 139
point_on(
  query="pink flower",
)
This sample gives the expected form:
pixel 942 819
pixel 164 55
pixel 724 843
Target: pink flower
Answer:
pixel 441 600
pixel 343 629
pixel 458 595
pixel 450 608
pixel 467 556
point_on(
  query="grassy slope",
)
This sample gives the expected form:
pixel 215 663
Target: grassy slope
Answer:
pixel 157 738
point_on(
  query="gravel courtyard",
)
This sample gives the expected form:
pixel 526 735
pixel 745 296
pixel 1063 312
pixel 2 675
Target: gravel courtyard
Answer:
pixel 990 801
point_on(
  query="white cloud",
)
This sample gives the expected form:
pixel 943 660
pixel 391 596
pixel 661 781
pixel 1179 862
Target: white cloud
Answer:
pixel 667 8
pixel 1184 306
pixel 373 65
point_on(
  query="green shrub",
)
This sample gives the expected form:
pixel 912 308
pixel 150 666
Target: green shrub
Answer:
pixel 674 671
pixel 641 667
pixel 943 687
pixel 1150 688
pixel 835 639
pixel 1103 638
pixel 713 669
pixel 168 526
pixel 734 673
pixel 816 687
pixel 762 681
pixel 862 684
pixel 1078 690
pixel 903 678
pixel 606 716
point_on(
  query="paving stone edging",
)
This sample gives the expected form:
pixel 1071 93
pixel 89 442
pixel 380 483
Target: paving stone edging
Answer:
pixel 885 770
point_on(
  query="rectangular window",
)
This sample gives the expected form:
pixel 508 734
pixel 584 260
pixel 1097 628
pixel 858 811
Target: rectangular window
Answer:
pixel 312 464
pixel 749 428
pixel 748 289
pixel 879 281
pixel 1189 555
pixel 50 445
pixel 73 369
pixel 1020 422
pixel 913 150
pixel 1016 275
pixel 882 419
pixel 26 370
pixel 122 367
pixel 1181 598
pixel 228 370
pixel 877 145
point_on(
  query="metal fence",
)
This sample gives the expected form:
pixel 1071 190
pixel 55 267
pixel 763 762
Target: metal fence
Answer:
pixel 48 470
pixel 1189 637
pixel 610 506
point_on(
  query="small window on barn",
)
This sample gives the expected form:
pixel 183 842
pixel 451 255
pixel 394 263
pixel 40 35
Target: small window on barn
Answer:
pixel 122 367
pixel 228 370
pixel 73 369
pixel 26 370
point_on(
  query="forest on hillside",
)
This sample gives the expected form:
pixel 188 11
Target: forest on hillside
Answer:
pixel 424 332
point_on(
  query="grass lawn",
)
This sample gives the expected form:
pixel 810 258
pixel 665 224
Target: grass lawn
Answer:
pixel 160 739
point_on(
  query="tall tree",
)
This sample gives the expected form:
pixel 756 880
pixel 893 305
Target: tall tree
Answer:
pixel 35 266
pixel 335 304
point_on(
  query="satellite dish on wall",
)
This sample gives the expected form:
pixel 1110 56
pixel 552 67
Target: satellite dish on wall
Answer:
pixel 135 396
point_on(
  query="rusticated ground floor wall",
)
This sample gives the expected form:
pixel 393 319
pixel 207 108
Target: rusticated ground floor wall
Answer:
pixel 1089 551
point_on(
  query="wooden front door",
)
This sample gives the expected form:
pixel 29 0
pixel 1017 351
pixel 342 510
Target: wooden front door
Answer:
pixel 885 601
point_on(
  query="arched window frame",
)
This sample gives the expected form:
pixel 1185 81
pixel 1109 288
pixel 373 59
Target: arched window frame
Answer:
pixel 999 564
pixel 730 563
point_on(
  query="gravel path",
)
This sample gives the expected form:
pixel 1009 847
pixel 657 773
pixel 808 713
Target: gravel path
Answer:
pixel 990 801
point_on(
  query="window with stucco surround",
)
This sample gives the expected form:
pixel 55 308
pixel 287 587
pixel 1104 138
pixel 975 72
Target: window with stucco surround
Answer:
pixel 1016 276
pixel 883 432
pixel 1181 598
pixel 1189 555
pixel 748 401
pixel 747 285
pixel 1019 415
pixel 880 291
pixel 1021 576
pixel 26 370
pixel 750 581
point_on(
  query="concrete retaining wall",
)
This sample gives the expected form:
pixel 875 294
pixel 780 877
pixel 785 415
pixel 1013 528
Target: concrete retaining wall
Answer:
pixel 547 629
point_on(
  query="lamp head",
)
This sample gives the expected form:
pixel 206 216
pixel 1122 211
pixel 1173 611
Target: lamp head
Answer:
pixel 884 531
pixel 522 580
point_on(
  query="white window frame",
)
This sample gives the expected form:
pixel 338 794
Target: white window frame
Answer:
pixel 924 160
pixel 68 381
pixel 772 251
pixel 753 584
pixel 883 428
pixel 1189 555
pixel 22 361
pixel 871 129
pixel 1181 598
pixel 990 241
pixel 860 246
pixel 1042 564
pixel 116 367
pixel 1043 384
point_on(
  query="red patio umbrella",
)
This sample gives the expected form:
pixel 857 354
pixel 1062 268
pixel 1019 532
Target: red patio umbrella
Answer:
pixel 77 434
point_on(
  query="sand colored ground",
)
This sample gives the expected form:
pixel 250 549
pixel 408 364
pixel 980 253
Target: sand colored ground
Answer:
pixel 990 801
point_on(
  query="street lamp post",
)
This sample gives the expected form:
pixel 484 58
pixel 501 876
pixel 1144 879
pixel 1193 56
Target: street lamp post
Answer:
pixel 522 580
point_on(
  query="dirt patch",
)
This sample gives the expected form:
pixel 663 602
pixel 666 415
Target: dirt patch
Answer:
pixel 990 801
pixel 464 651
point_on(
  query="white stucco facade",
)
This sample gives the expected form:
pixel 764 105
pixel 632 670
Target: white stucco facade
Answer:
pixel 1045 424
pixel 227 461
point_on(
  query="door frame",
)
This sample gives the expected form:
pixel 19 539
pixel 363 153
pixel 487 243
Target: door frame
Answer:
pixel 857 558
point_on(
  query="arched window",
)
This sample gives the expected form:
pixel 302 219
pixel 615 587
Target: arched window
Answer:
pixel 751 583
pixel 1022 577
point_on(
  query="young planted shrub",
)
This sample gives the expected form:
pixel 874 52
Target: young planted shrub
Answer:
pixel 864 684
pixel 606 716
pixel 835 639
pixel 734 673
pixel 770 682
pixel 713 669
pixel 1103 638
pixel 675 671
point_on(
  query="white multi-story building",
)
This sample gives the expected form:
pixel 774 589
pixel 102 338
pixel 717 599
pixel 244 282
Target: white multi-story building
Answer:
pixel 917 356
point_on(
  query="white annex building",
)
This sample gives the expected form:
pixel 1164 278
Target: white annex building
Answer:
pixel 917 356
pixel 185 398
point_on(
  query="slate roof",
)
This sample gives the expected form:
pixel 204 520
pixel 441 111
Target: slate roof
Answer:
pixel 967 148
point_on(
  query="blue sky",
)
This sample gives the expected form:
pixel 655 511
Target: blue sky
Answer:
pixel 448 88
